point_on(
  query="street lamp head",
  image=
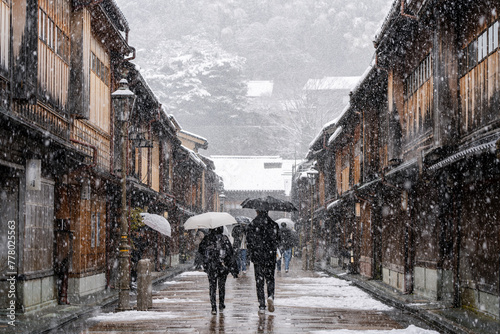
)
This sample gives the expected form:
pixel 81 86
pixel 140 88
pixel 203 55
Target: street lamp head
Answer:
pixel 311 175
pixel 222 198
pixel 123 101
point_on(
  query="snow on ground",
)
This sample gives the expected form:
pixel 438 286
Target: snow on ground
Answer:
pixel 192 273
pixel 327 292
pixel 176 282
pixel 134 316
pixel 351 303
pixel 410 330
pixel 177 300
pixel 320 281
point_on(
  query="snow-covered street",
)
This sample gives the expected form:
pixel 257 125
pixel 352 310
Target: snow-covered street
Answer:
pixel 306 302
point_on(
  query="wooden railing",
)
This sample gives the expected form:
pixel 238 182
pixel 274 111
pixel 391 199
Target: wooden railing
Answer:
pixel 85 132
pixel 43 117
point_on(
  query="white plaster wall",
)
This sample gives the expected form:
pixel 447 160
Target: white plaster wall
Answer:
pixel 82 286
pixel 39 293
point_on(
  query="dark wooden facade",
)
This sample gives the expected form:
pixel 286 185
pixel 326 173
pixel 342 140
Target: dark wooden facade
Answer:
pixel 60 145
pixel 423 212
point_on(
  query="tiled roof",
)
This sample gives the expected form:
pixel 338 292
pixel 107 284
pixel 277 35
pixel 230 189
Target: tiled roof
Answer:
pixel 254 173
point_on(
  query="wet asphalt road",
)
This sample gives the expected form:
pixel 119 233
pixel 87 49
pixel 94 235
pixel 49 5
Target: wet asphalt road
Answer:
pixel 182 306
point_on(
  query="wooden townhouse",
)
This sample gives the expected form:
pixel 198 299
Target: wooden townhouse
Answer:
pixel 61 144
pixel 442 89
pixel 152 141
pixel 59 63
pixel 312 182
pixel 413 178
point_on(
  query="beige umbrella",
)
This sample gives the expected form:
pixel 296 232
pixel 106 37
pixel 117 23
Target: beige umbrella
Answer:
pixel 209 220
pixel 157 223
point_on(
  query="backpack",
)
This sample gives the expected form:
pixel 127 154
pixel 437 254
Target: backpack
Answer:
pixel 215 255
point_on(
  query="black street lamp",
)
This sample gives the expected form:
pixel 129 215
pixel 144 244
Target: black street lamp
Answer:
pixel 311 177
pixel 123 102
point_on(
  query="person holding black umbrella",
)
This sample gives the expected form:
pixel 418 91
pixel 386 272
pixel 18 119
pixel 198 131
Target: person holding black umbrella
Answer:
pixel 262 241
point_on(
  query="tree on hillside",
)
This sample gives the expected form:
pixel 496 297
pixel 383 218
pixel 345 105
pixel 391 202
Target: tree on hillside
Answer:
pixel 194 76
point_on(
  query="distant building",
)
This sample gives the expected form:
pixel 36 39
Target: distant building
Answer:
pixel 253 176
pixel 329 93
pixel 260 88
pixel 260 97
pixel 192 141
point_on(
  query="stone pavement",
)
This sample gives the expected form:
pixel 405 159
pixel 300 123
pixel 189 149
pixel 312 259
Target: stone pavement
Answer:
pixel 444 318
pixel 182 306
pixel 303 305
pixel 51 318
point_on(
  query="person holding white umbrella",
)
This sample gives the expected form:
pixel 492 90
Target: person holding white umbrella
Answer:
pixel 218 262
pixel 216 252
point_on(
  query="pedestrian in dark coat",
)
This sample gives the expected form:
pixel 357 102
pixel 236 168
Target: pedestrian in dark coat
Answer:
pixel 218 262
pixel 289 240
pixel 240 246
pixel 263 240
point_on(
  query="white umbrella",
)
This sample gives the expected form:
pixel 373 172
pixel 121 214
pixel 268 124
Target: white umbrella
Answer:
pixel 289 223
pixel 209 220
pixel 157 223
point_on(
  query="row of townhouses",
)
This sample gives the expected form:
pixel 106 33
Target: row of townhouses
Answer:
pixel 404 186
pixel 66 127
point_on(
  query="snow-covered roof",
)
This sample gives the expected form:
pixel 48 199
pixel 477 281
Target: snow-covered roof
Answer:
pixel 260 88
pixel 363 77
pixel 385 22
pixel 333 204
pixel 193 135
pixel 344 111
pixel 174 121
pixel 254 173
pixel 331 83
pixel 325 128
pixel 194 156
pixel 334 135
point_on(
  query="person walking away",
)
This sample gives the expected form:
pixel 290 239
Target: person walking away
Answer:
pixel 218 262
pixel 240 246
pixel 288 241
pixel 262 241
pixel 198 258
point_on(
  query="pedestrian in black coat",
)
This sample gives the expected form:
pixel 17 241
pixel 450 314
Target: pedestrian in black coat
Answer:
pixel 218 261
pixel 263 241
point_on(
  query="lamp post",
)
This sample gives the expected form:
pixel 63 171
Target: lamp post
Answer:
pixel 222 199
pixel 123 101
pixel 311 177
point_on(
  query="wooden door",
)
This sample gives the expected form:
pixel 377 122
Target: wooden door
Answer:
pixel 9 213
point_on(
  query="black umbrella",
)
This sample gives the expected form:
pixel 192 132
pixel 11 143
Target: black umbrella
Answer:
pixel 243 220
pixel 268 203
